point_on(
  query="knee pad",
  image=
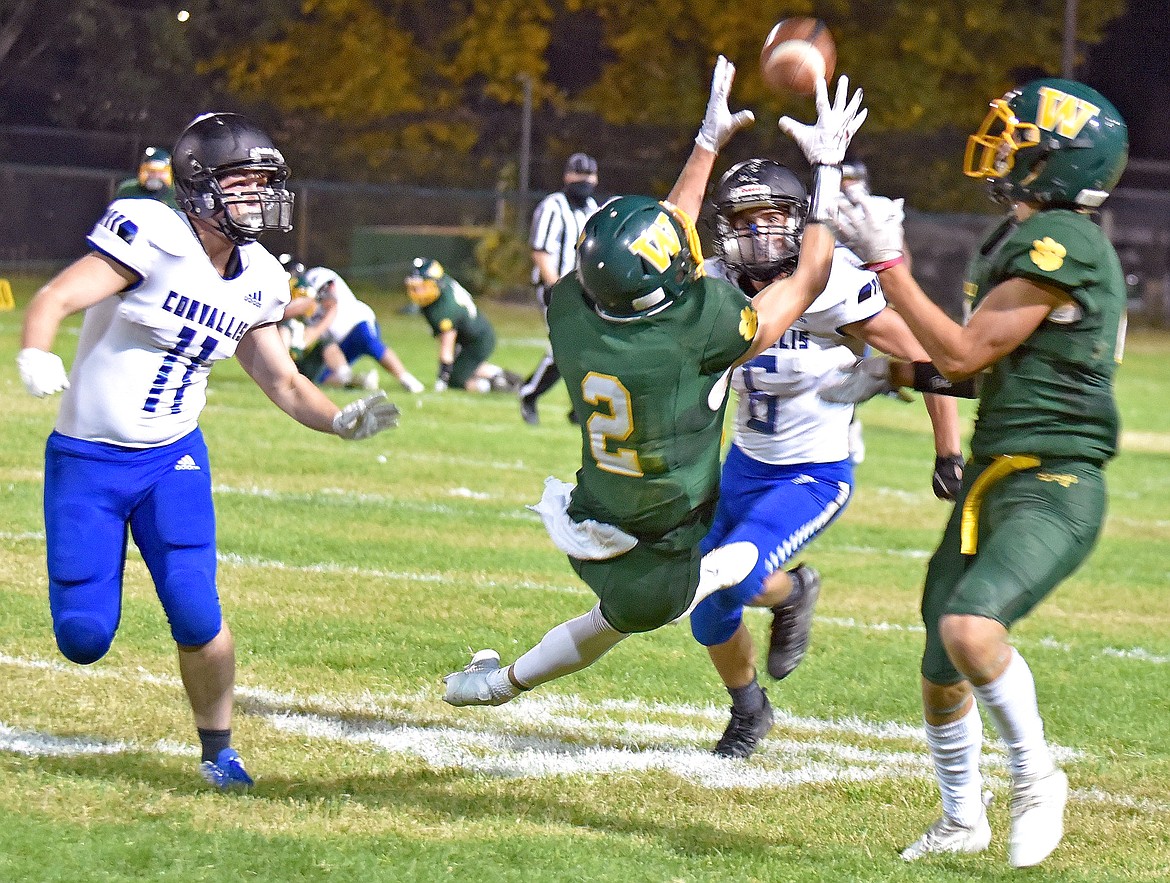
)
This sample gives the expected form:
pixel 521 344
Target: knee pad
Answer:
pixel 193 611
pixel 714 622
pixel 82 639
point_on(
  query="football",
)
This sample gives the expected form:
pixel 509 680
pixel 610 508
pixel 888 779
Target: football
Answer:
pixel 798 52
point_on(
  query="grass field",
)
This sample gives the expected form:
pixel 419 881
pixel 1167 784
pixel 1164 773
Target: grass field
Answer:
pixel 355 575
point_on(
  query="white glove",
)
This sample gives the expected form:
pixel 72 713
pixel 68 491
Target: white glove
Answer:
pixel 824 142
pixel 858 382
pixel 43 373
pixel 365 417
pixel 719 123
pixel 411 383
pixel 871 226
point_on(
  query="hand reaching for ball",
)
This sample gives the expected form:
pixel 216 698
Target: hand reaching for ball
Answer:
pixel 825 141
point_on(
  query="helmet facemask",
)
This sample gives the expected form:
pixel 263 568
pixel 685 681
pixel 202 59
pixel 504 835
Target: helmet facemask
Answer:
pixel 762 243
pixel 242 214
pixel 760 208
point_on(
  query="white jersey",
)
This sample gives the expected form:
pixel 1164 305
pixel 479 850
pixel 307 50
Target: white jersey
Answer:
pixel 351 312
pixel 140 375
pixel 779 418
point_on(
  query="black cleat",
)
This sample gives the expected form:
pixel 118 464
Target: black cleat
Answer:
pixel 792 623
pixel 528 410
pixel 744 732
pixel 572 417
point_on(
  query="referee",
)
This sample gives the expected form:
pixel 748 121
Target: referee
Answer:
pixel 556 226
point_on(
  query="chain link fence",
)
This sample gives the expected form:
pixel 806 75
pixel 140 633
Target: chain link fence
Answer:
pixel 48 208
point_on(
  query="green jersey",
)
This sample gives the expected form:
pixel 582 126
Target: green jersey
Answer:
pixel 651 396
pixel 454 310
pixel 131 189
pixel 1053 395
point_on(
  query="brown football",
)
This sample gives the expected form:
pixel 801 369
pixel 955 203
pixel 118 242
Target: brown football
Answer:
pixel 797 53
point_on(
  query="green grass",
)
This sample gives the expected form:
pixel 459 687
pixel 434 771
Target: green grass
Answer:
pixel 355 575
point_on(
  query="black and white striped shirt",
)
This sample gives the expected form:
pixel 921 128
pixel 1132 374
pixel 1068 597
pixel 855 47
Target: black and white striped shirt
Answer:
pixel 556 227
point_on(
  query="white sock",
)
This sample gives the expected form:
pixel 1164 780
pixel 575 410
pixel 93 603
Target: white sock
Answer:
pixel 955 750
pixel 344 374
pixel 1010 700
pixel 566 648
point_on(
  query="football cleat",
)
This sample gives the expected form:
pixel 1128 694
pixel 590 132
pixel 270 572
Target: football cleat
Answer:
pixel 227 772
pixel 947 835
pixel 1037 818
pixel 474 685
pixel 744 732
pixel 528 410
pixel 792 623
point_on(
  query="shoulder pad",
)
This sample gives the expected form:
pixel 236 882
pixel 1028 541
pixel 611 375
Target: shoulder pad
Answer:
pixel 164 228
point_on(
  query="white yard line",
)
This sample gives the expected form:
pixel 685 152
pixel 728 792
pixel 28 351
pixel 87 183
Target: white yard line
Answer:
pixel 1133 654
pixel 538 736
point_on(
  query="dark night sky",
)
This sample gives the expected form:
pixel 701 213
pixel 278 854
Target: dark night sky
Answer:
pixel 1132 69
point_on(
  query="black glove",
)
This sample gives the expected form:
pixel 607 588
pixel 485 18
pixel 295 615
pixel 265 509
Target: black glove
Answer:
pixel 948 476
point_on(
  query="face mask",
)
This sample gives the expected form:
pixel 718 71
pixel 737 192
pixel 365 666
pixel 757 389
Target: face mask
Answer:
pixel 579 191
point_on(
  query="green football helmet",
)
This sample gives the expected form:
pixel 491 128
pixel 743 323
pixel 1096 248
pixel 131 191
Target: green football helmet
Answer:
pixel 1052 142
pixel 636 256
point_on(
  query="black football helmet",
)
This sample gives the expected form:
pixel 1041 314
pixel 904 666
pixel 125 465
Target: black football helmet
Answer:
pixel 760 251
pixel 219 144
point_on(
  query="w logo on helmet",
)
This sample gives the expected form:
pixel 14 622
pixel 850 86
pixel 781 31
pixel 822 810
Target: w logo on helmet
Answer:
pixel 1062 113
pixel 658 244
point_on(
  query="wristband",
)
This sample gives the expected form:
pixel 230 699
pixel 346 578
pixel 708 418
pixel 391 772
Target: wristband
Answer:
pixel 825 190
pixel 445 371
pixel 885 265
pixel 928 379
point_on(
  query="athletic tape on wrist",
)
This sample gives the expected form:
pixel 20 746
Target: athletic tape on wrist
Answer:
pixel 825 190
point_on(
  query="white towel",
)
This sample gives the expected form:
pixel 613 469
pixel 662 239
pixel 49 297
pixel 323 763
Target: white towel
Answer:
pixel 588 540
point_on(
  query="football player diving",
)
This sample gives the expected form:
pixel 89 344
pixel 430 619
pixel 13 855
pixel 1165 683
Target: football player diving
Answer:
pixel 167 293
pixel 1044 340
pixel 645 341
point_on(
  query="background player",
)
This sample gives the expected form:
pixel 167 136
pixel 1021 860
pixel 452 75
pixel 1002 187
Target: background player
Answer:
pixel 465 336
pixel 356 330
pixel 788 474
pixel 165 295
pixel 1047 329
pixel 154 180
pixel 645 341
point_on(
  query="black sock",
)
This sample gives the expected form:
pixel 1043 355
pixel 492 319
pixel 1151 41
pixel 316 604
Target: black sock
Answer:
pixel 213 742
pixel 748 699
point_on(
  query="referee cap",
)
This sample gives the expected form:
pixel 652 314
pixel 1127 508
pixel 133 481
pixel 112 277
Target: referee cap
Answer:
pixel 582 164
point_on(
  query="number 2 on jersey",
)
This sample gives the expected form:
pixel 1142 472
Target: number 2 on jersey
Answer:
pixel 617 425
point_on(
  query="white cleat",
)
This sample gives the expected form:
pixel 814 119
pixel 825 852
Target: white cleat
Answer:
pixel 473 686
pixel 947 835
pixel 1037 818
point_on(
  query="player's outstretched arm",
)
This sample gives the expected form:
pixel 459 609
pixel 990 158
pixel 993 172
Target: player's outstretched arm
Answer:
pixel 719 125
pixel 823 144
pixel 82 284
pixel 262 354
pixel 872 226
